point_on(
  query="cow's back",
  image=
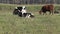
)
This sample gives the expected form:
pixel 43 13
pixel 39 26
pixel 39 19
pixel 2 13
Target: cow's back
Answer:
pixel 48 7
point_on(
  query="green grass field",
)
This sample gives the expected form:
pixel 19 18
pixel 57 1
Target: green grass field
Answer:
pixel 41 24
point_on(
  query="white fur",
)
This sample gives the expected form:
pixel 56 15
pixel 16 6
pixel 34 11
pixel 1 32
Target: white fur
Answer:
pixel 32 14
pixel 28 16
pixel 23 10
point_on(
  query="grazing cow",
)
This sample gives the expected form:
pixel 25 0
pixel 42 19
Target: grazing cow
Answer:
pixel 46 8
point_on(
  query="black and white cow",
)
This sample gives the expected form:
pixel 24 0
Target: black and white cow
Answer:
pixel 21 11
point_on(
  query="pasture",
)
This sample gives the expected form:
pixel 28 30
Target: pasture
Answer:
pixel 40 24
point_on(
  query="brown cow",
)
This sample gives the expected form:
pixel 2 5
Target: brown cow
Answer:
pixel 49 8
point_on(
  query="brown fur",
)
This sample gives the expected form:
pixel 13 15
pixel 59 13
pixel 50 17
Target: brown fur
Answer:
pixel 46 8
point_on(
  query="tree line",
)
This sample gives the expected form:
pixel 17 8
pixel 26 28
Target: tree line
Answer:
pixel 30 1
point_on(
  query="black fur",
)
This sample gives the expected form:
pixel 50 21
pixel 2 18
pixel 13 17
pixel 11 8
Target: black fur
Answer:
pixel 15 12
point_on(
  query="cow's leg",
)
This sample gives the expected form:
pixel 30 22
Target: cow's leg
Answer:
pixel 52 12
pixel 44 12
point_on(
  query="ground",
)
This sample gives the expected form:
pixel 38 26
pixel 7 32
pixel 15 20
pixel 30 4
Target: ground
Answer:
pixel 41 24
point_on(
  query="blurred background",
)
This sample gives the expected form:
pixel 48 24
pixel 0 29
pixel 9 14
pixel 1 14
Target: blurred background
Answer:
pixel 30 1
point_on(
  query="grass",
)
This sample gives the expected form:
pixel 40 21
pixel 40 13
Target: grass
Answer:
pixel 41 24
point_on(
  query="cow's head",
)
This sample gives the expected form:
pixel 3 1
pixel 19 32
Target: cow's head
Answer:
pixel 40 12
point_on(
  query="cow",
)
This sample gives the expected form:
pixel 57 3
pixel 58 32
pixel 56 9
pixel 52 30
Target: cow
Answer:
pixel 45 8
pixel 21 11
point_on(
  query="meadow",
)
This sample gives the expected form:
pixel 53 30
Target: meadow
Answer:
pixel 40 24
